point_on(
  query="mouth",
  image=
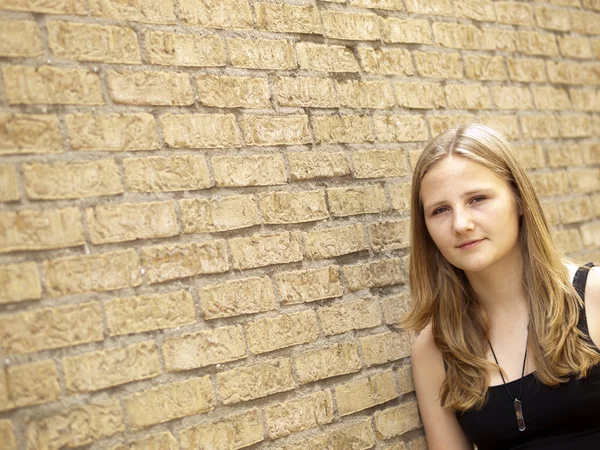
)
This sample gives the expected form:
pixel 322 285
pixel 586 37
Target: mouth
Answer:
pixel 469 244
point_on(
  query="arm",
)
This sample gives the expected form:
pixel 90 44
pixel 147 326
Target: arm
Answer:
pixel 441 427
pixel 592 304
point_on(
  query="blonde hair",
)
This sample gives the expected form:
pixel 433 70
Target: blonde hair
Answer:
pixel 442 296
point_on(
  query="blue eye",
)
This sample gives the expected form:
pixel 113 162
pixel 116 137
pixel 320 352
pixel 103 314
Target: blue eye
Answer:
pixel 439 211
pixel 477 199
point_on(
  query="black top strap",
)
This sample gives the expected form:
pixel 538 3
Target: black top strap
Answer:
pixel 580 279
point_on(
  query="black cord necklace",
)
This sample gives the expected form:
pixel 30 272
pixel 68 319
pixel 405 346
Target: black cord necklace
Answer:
pixel 516 400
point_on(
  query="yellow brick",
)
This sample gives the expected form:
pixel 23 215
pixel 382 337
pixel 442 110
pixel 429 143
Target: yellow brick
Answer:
pixel 232 92
pixel 514 13
pixel 509 97
pixel 548 97
pixel 411 31
pixel 305 91
pixel 551 212
pixel 112 132
pixel 359 436
pixel 148 11
pixel 352 26
pixel 454 35
pixel 574 47
pixel 552 18
pixel 293 207
pixel 336 241
pixel 299 414
pixel 565 72
pixel 285 330
pixel 309 165
pixel 159 441
pixel 265 250
pixel 327 362
pixel 434 7
pixel 564 155
pixel 48 328
pixel 584 181
pixel 170 262
pixel 439 65
pixel 400 196
pixel 85 42
pixel 342 129
pixel 498 39
pixel 405 380
pixel 365 94
pixel 591 153
pixel 549 184
pixel 531 156
pixel 539 126
pixel 309 285
pixel 535 43
pixel 392 5
pixel 390 61
pixel 46 85
pixel 251 170
pixel 276 130
pixel 397 420
pixel 31 384
pixel 326 58
pixel 319 442
pixel 395 307
pixel 379 163
pixel 19 38
pixel 568 241
pixel 596 204
pixel 29 133
pixel 404 128
pixel 7 435
pixel 349 201
pixel 200 130
pixel 9 183
pixel 63 180
pixel 574 3
pixel 590 4
pixel 584 22
pixel 171 49
pixel 283 18
pixel 585 99
pixel 347 316
pixel 193 350
pixel 575 210
pixel 390 235
pixel 589 234
pixel 149 312
pixel 596 47
pixel 444 122
pixel 385 347
pixel 201 215
pixel 575 125
pixel 481 10
pixel 216 13
pixel 485 68
pixel 419 95
pixel 170 401
pixel 385 272
pixel 365 393
pixel 43 6
pixel 19 282
pixel 275 54
pixel 508 125
pixel 150 88
pixel 468 96
pixel 231 432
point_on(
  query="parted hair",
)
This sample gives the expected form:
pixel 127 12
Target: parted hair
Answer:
pixel 441 294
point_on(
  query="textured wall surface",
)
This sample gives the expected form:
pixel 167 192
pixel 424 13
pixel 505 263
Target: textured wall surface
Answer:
pixel 203 205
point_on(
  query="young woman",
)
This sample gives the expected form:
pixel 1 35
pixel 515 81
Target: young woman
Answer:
pixel 507 355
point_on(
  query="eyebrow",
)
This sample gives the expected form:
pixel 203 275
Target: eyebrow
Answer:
pixel 466 194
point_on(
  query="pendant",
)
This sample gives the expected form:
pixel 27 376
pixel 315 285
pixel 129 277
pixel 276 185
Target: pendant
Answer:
pixel 519 413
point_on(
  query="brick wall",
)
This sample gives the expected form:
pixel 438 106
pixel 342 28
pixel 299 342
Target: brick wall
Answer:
pixel 204 205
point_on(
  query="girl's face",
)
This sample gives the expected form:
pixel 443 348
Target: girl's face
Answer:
pixel 471 214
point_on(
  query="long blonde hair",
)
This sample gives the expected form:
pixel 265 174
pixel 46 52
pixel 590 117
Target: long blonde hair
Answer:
pixel 442 296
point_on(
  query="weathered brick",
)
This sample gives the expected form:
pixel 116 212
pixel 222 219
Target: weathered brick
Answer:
pixel 397 420
pixel 171 49
pixel 43 6
pixel 32 384
pixel 299 414
pixel 170 401
pixel 480 10
pixel 548 97
pixel 150 88
pixel 385 347
pixel 392 5
pixel 19 282
pixel 309 285
pixel 419 95
pixel 159 441
pixel 453 35
pixel 552 18
pixel 309 165
pixel 204 348
pixel 395 30
pixel 305 91
pixel 352 26
pixel 439 65
pixel 536 43
pixel 584 181
pixel 591 4
pixel 395 307
pixel 565 72
pixel 591 153
pixel 567 241
pixel 508 125
pixel 511 97
pixel 390 61
pixel 342 129
pixel 574 47
pixel 468 96
pixel 283 18
pixel 434 7
pixel 585 99
pixel 590 233
pixel 400 196
pixel 336 241
pixel 149 312
pixel 201 215
pixel 147 11
pixel 574 3
pixel 200 130
pixel 7 435
pixel 232 92
pixel 51 85
pixel 575 125
pixel 348 201
pixel 170 262
pixel 365 94
pixel 550 183
pixel 19 38
pixel 404 128
pixel 251 170
pixel 365 393
pixel 379 163
pixel 596 47
pixel 276 54
pixel 255 381
pixel 87 42
pixel 577 209
pixel 326 58
pixel 405 381
pixel 444 122
pixel 63 180
pixel 112 132
pixel 9 183
pixel 276 130
pixel 286 330
pixel 563 155
pixel 485 68
pixel 539 126
pixel 514 13
pixel 29 133
pixel 390 235
pixel 265 250
pixel 359 436
pixel 498 39
pixel 385 272
pixel 584 22
pixel 327 362
pixel 347 316
pixel 293 207
pixel 550 209
pixel 40 229
pixel 216 13
pixel 231 432
pixel 531 156
pixel 319 442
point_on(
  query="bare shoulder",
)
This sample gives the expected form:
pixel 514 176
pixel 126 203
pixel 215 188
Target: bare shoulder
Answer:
pixel 424 350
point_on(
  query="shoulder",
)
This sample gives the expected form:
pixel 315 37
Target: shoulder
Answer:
pixel 427 362
pixel 424 349
pixel 592 304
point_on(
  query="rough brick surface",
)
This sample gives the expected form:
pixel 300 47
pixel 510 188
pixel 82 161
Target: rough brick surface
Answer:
pixel 233 298
pixel 365 393
pixel 357 200
pixel 216 13
pixel 342 129
pixel 232 92
pixel 394 30
pixel 29 133
pixel 326 58
pixel 148 11
pixel 355 315
pixel 293 207
pixel 19 282
pixel 336 241
pixel 162 441
pixel 150 88
pixel 299 414
pixel 270 334
pixel 391 61
pixel 365 94
pixel 275 54
pixel 390 235
pixel 309 285
pixel 264 250
pixel 160 174
pixel 381 273
pixel 288 18
pixel 7 435
pixel 397 420
pixel 439 65
pixel 254 170
pixel 352 26
pixel 384 347
pixel 338 359
pixel 185 49
pixel 310 165
pixel 9 183
pixel 269 130
pixel 32 384
pixel 19 38
pixel 200 130
pixel 200 215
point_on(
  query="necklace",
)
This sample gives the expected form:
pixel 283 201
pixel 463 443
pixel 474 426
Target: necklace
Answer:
pixel 516 400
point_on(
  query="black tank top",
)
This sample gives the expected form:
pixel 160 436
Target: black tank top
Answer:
pixel 556 418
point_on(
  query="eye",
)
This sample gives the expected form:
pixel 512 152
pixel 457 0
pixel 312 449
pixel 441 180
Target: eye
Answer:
pixel 477 199
pixel 439 210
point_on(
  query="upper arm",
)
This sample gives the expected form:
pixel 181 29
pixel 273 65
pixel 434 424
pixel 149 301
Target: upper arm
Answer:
pixel 592 304
pixel 441 427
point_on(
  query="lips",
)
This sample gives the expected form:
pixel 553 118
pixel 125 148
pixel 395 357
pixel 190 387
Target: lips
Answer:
pixel 469 244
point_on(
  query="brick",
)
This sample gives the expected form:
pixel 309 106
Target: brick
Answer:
pixel 591 4
pixel 170 401
pixel 265 250
pixel 29 133
pixel 299 414
pixel 531 156
pixel 400 196
pixel 574 47
pixel 336 241
pixel 479 10
pixel 237 297
pixel 365 393
pixel 596 204
pixel 405 381
pixel 400 128
pixel 379 163
pixel 216 13
pixel 359 436
pixel 32 384
pixel 514 13
pixel 147 11
pixel 112 132
pixel 589 234
pixel 585 99
pixel 391 5
pixel 385 347
pixel 433 7
pixel 552 18
pixel 7 435
pixel 327 362
pixel 76 426
pixel 255 381
pixel 231 432
pixel 498 39
pixel 365 94
pixel 309 285
pixel 285 330
pixel 150 88
pixel 390 61
pixel 565 73
pixel 326 58
pixel 584 181
pixel 575 210
pixel 390 235
pixel 46 85
pixel 310 165
pixel 536 43
pixel 171 49
pixel 19 282
pixel 584 22
pixel 275 54
pixel 352 26
pixel 200 130
pixel 9 183
pixel 563 155
pixel 101 369
pixel 204 348
pixel 342 129
pixel 86 42
pixel 19 38
pixel 251 170
pixel 548 97
pixel 397 420
pixel 232 92
pixel 539 126
pixel 283 18
pixel 410 31
pixel 385 272
pixel 395 307
pixel 43 6
pixel 549 184
pixel 276 130
pixel 348 201
pixel 550 209
pixel 508 125
pixel 591 153
pixel 170 262
pixel 293 207
pixel 596 47
pixel 348 316
pixel 567 241
pixel 574 3
pixel 575 125
pixel 149 312
pixel 201 215
pixel 419 95
pixel 63 180
pixel 454 35
pixel 468 96
pixel 305 91
pixel 512 97
pixel 98 272
pixel 161 441
pixel 439 65
pixel 439 123
pixel 40 229
pixel 489 68
pixel 166 174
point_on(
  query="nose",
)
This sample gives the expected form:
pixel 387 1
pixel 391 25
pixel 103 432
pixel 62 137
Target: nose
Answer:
pixel 461 221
